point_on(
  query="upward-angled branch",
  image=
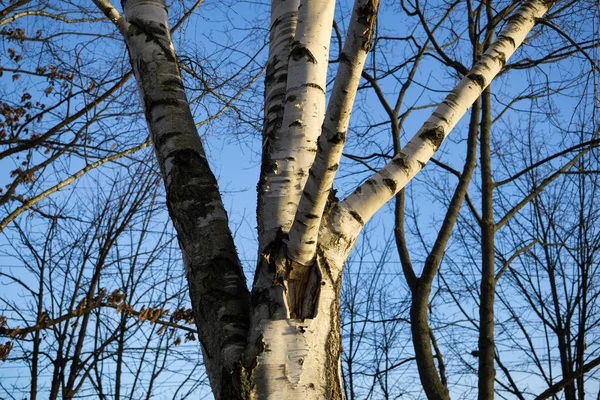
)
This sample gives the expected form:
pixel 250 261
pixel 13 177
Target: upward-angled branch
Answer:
pixel 27 204
pixel 376 191
pixel 538 189
pixel 304 231
pixel 560 385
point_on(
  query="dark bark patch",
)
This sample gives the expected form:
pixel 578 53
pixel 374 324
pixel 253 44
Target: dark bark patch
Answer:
pixel 500 58
pixel 516 19
pixel 295 123
pixel 357 217
pixel 270 72
pixel 307 195
pixel 333 348
pixel 440 116
pixel 508 39
pixel 300 51
pixel 421 164
pixel 150 105
pixel 435 136
pixel 291 98
pixel 478 79
pixel 277 108
pixel 390 184
pixel 400 162
pixel 173 82
pixel 191 180
pixel 311 216
pixel 338 138
pixel 107 12
pixel 333 168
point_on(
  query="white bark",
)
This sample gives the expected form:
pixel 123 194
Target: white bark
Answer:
pixel 304 232
pixel 294 151
pixel 284 16
pixel 283 356
pixel 299 354
pixel 375 192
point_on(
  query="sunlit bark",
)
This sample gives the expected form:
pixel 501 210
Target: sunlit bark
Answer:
pixel 283 341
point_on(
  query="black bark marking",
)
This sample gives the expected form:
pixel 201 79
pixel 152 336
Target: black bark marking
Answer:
pixel 400 163
pixel 440 116
pixel 270 72
pixel 300 51
pixel 149 105
pixel 357 217
pixel 307 195
pixel 277 108
pixel 153 33
pixel 338 138
pixel 517 19
pixel 500 58
pixel 391 184
pixel 478 79
pixel 508 39
pixel 313 85
pixel 191 180
pixel 107 12
pixel 421 164
pixel 173 82
pixel 295 123
pixel 435 136
pixel 334 167
pixel 311 216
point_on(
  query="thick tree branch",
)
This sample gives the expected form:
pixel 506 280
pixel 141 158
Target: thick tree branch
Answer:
pixel 304 231
pixel 370 196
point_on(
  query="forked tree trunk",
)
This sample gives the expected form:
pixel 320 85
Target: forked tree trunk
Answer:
pixel 283 341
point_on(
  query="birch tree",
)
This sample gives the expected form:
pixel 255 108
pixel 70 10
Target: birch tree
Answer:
pixel 281 338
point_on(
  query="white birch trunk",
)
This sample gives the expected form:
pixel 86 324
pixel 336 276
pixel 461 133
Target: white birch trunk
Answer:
pixel 304 107
pixel 284 16
pixel 375 192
